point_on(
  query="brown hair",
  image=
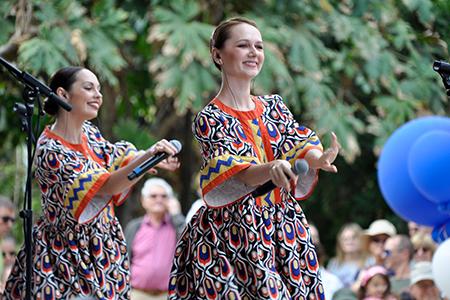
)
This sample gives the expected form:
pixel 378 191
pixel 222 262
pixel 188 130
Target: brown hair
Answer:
pixel 64 78
pixel 222 33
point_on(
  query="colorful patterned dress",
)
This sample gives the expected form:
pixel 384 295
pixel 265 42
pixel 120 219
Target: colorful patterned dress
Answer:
pixel 79 246
pixel 241 247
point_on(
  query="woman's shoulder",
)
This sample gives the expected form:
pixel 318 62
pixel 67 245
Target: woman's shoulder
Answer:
pixel 210 111
pixel 270 99
pixel 91 130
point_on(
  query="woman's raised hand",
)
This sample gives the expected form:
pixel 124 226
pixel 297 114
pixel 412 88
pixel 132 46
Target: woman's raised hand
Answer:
pixel 326 159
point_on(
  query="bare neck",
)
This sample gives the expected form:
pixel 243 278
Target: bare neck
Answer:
pixel 68 128
pixel 235 92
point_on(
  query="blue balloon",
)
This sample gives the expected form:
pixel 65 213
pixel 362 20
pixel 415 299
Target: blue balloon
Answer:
pixel 394 180
pixel 429 167
pixel 441 232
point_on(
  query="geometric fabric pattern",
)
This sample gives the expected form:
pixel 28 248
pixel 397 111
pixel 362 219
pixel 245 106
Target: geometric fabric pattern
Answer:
pixel 247 248
pixel 72 258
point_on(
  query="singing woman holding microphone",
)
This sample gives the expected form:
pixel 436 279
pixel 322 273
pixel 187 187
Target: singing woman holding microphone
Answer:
pixel 78 244
pixel 244 245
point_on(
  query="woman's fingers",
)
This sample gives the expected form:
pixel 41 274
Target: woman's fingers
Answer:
pixel 281 174
pixel 164 146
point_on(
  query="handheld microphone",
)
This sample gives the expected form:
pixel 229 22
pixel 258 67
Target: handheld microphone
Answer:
pixel 301 167
pixel 153 161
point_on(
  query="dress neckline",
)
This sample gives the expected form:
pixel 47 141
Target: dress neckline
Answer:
pixel 77 146
pixel 241 114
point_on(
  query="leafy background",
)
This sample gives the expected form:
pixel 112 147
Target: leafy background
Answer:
pixel 360 68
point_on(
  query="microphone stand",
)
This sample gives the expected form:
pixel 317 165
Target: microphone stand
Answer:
pixel 31 93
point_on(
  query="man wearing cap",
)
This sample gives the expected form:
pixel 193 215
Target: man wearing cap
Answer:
pixel 374 238
pixel 422 284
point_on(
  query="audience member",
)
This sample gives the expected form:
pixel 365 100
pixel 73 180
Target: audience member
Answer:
pixel 350 258
pixel 151 240
pixel 331 283
pixel 7 216
pixel 422 286
pixel 7 219
pixel 375 284
pixel 8 249
pixel 399 252
pixel 375 237
pixel 424 246
pixel 414 228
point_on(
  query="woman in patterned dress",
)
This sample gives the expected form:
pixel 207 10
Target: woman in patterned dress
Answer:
pixel 79 246
pixel 240 246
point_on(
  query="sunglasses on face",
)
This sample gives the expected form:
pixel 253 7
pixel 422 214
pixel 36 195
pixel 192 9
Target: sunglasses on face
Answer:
pixel 7 219
pixel 424 249
pixel 378 240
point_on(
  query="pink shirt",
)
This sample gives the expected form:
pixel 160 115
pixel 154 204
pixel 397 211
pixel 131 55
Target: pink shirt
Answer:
pixel 153 250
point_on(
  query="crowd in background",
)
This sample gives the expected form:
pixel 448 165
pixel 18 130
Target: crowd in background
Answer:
pixel 373 263
pixel 380 263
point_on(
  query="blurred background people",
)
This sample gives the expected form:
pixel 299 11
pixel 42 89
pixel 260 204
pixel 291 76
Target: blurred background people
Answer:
pixel 375 237
pixel 350 257
pixel 423 245
pixel 7 219
pixel 399 252
pixel 8 248
pixel 7 216
pixel 151 240
pixel 414 228
pixel 375 284
pixel 422 286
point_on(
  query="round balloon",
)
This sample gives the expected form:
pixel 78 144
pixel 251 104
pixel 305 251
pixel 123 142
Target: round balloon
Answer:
pixel 394 180
pixel 429 166
pixel 440 269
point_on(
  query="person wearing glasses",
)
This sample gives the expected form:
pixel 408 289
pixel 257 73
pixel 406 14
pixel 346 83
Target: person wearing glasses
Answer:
pixel 151 240
pixel 424 246
pixel 398 252
pixel 373 240
pixel 8 250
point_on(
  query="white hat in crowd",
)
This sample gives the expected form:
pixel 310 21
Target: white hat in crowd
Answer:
pixel 421 271
pixel 381 226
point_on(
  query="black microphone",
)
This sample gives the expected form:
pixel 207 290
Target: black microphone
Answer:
pixel 153 161
pixel 301 167
pixel 35 84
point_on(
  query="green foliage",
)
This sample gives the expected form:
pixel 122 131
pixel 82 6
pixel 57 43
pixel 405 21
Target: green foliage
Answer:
pixel 360 68
pixel 128 129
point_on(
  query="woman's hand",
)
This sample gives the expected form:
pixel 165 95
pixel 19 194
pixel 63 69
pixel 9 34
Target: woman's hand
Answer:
pixel 171 163
pixel 325 160
pixel 281 174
